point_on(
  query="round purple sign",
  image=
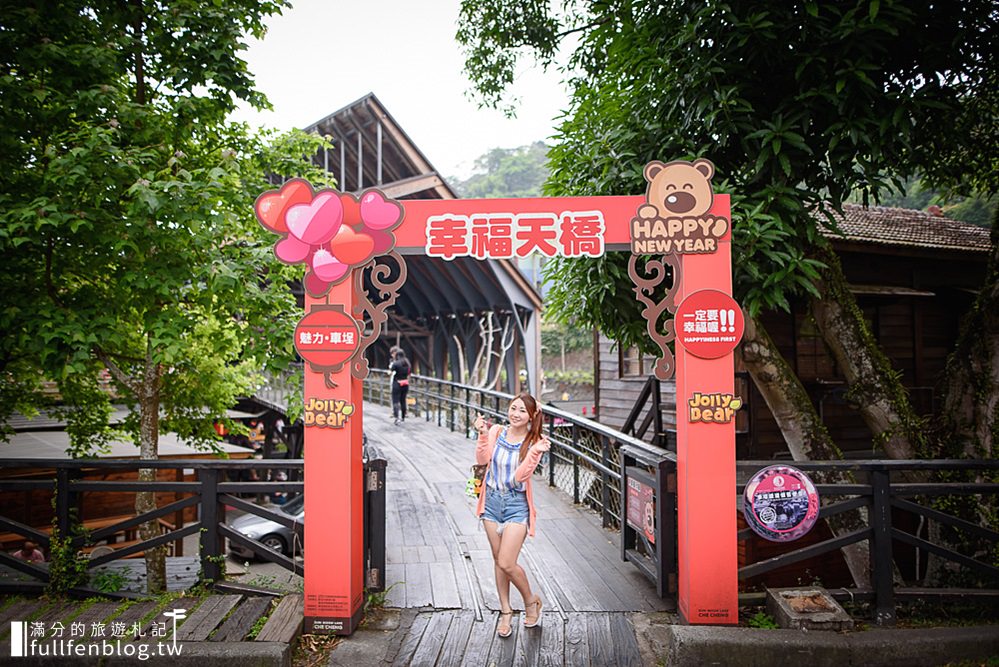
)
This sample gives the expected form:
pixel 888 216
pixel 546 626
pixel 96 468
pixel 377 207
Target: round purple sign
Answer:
pixel 780 503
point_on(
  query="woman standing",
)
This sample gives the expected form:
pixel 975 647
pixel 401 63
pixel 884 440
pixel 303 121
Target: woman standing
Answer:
pixel 506 504
pixel 400 385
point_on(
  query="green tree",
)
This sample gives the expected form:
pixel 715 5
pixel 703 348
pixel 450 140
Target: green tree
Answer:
pixel 798 105
pixel 507 172
pixel 126 217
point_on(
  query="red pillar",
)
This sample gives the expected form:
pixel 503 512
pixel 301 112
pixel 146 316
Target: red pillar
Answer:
pixel 706 493
pixel 334 477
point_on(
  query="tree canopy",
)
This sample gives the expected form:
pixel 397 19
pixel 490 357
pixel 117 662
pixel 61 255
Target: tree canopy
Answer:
pixel 798 105
pixel 507 172
pixel 126 213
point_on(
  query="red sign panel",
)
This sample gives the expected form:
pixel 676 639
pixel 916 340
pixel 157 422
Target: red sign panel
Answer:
pixel 327 337
pixel 709 324
pixel 641 509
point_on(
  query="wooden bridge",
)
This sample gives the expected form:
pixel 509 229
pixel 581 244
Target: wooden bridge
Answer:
pixel 439 568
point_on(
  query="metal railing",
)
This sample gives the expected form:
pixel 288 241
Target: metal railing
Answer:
pixel 587 459
pixel 584 458
pixel 211 492
pixel 882 487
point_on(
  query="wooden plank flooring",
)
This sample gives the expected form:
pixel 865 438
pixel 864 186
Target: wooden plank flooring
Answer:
pixel 211 620
pixel 450 638
pixel 437 555
pixel 440 568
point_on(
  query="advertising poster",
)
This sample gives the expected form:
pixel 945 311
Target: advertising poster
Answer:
pixel 641 509
pixel 780 503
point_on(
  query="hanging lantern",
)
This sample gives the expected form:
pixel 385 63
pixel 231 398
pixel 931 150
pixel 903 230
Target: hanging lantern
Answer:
pixel 327 338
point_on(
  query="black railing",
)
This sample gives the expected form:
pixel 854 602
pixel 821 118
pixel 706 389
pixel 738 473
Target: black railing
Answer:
pixel 211 492
pixel 593 464
pixel 583 461
pixel 881 487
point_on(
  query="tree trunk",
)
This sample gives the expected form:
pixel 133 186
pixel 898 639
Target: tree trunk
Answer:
pixel 805 434
pixel 970 418
pixel 874 384
pixel 968 425
pixel 145 501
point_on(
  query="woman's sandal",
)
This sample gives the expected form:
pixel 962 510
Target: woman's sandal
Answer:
pixel 509 624
pixel 537 604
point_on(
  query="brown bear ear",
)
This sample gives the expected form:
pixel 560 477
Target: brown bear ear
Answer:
pixel 705 167
pixel 653 168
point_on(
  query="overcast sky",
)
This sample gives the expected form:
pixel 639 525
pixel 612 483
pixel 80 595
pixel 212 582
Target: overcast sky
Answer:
pixel 323 54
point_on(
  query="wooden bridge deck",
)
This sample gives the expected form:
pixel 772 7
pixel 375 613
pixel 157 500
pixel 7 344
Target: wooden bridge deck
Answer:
pixel 440 573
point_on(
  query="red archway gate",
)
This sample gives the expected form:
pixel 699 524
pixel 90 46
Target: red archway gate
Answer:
pixel 682 228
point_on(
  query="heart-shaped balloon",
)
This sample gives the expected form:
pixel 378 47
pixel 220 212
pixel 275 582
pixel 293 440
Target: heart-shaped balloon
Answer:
pixel 273 204
pixel 327 267
pixel 315 285
pixel 292 251
pixel 378 212
pixel 384 241
pixel 318 221
pixel 351 209
pixel 352 247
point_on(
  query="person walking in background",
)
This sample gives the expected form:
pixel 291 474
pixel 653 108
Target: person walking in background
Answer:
pixel 506 503
pixel 400 385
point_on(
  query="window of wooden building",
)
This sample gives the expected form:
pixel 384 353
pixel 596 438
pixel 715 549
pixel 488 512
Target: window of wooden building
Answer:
pixel 632 362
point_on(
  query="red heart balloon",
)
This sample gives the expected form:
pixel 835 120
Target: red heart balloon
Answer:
pixel 273 204
pixel 351 209
pixel 351 247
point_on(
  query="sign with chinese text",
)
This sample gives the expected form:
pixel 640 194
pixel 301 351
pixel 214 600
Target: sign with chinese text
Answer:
pixel 350 244
pixel 641 509
pixel 505 234
pixel 326 338
pixel 709 324
pixel 780 503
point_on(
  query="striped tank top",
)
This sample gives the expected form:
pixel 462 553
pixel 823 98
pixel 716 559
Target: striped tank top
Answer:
pixel 506 458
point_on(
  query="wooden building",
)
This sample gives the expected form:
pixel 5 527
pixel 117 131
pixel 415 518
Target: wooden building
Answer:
pixel 449 314
pixel 914 275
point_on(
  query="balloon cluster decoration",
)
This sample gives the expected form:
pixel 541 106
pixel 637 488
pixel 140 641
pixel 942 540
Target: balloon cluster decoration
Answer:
pixel 330 232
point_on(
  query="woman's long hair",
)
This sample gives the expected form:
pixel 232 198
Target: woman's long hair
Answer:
pixel 537 422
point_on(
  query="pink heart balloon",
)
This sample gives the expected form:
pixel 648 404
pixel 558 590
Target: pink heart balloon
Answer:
pixel 314 285
pixel 327 267
pixel 292 251
pixel 272 206
pixel 317 222
pixel 379 213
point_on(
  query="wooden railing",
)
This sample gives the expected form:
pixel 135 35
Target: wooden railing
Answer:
pixel 211 492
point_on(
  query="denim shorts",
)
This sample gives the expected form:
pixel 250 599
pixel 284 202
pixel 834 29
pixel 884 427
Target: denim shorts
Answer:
pixel 505 507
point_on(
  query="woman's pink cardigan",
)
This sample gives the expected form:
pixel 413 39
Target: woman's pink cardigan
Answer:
pixel 484 456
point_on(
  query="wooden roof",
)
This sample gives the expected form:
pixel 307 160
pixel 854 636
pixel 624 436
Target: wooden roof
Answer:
pixel 371 149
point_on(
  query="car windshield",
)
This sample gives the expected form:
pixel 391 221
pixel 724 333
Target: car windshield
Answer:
pixel 294 506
